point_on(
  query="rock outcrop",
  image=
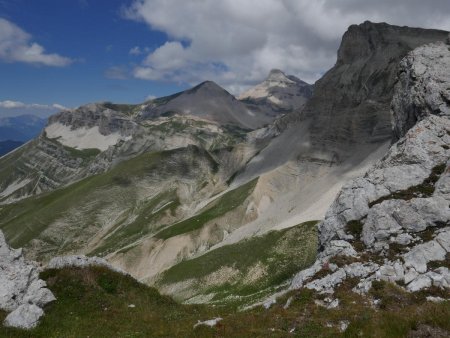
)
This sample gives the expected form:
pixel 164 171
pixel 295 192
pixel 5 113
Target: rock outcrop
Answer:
pixel 422 87
pixel 393 224
pixel 22 293
pixel 81 261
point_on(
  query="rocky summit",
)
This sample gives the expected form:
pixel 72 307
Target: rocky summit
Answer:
pixel 326 204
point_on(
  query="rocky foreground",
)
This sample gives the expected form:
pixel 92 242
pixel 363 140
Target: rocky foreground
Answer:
pixel 22 293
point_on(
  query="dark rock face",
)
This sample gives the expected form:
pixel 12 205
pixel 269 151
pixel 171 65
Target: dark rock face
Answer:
pixel 351 102
pixel 95 114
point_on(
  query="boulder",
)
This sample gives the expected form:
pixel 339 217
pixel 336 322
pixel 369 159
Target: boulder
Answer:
pixel 21 291
pixel 26 316
pixel 421 254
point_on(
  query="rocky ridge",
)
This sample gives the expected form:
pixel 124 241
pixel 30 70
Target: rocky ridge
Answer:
pixel 22 293
pixel 393 224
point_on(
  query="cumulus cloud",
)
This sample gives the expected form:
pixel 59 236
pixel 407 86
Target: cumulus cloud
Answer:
pixel 237 42
pixel 16 46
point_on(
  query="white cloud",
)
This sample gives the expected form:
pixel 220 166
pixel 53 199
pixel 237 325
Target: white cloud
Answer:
pixel 59 106
pixel 9 104
pixel 237 42
pixel 16 46
pixel 150 97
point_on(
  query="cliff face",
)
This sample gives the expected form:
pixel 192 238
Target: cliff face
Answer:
pixel 351 102
pixel 393 224
pixel 423 86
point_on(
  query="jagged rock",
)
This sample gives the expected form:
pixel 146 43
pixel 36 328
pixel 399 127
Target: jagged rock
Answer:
pixel 422 88
pixel 363 287
pixel 21 290
pixel 391 272
pixel 301 277
pixel 26 316
pixel 419 283
pixel 439 277
pixel 393 216
pixel 443 238
pixel 80 261
pixel 402 239
pixel 408 163
pixel 421 254
pixel 338 247
pixel 327 283
pixel 361 270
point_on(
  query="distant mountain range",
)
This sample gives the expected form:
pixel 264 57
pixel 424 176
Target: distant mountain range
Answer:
pixel 8 145
pixel 21 128
pixel 16 130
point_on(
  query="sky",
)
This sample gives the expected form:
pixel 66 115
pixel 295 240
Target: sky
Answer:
pixel 57 54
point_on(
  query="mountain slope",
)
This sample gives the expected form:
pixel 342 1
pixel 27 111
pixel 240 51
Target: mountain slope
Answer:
pixel 344 128
pixel 208 101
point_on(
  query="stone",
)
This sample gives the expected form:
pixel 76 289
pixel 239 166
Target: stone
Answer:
pixel 343 325
pixel 26 316
pixel 402 239
pixel 410 275
pixel 363 287
pixel 338 247
pixel 360 270
pixel 391 272
pixel 435 299
pixel 210 322
pixel 304 275
pixel 443 238
pixel 327 283
pixel 421 254
pixel 421 282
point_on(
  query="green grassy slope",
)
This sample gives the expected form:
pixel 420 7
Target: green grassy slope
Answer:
pixel 95 303
pixel 217 208
pixel 256 266
pixel 118 189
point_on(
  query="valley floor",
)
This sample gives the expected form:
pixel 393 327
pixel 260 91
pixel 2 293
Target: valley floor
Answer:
pixel 97 302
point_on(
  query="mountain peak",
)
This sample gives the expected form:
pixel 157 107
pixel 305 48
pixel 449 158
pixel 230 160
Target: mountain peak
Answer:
pixel 209 86
pixel 277 75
